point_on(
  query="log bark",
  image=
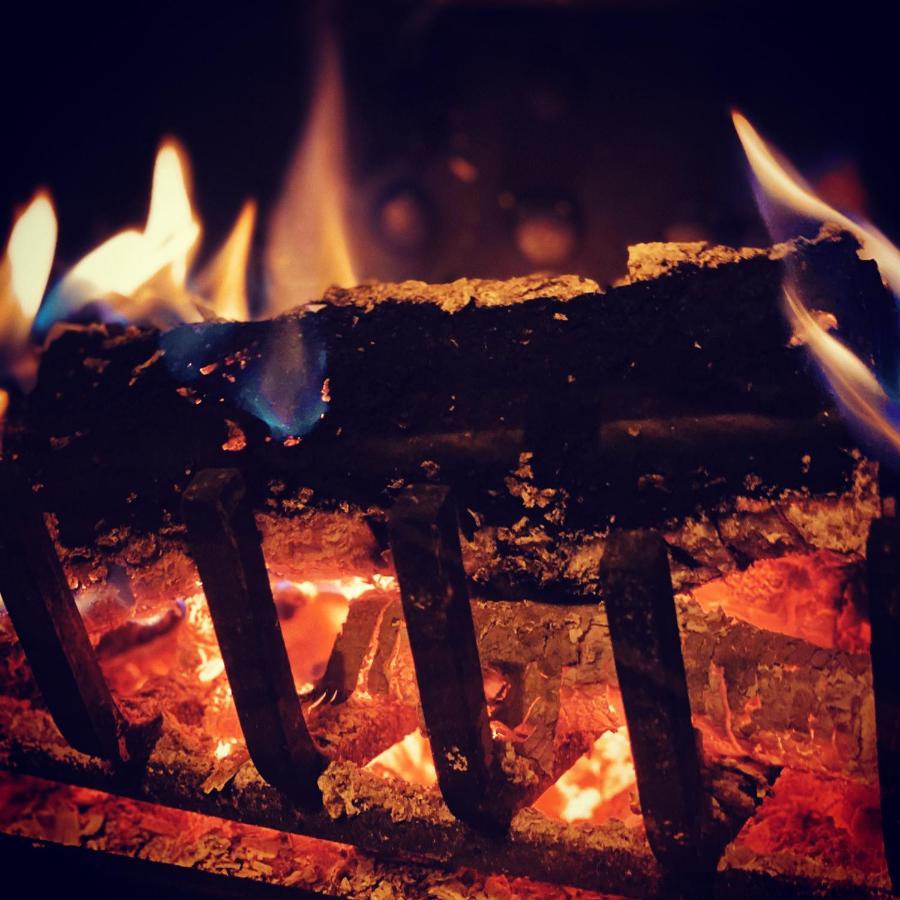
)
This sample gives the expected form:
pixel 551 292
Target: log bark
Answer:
pixel 641 401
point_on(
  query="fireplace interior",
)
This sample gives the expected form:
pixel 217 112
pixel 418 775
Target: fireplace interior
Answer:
pixel 507 509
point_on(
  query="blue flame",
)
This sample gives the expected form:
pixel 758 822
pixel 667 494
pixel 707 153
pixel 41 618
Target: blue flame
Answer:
pixel 286 391
pixel 68 298
pixel 280 381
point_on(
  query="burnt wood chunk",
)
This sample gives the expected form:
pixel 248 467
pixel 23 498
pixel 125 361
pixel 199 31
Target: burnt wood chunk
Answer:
pixel 883 557
pixel 352 647
pixel 637 589
pixel 425 544
pixel 52 633
pixel 228 551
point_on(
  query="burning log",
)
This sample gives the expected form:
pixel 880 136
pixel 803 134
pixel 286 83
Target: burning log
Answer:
pixel 468 404
pixel 387 817
pixel 558 665
pixel 455 381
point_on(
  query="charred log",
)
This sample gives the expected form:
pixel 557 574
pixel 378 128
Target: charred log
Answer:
pixel 670 400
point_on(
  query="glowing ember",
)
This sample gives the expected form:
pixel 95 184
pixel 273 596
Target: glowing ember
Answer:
pixel 599 787
pixel 311 615
pixel 833 821
pixel 211 668
pixel 224 748
pixel 46 811
pixel 811 596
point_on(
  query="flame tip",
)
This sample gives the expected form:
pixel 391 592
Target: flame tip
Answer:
pixel 42 194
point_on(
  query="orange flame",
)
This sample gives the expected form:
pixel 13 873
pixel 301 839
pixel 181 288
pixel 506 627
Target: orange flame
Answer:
pixel 142 272
pixel 855 386
pixel 4 406
pixel 308 247
pixel 224 281
pixel 28 258
pixel 142 276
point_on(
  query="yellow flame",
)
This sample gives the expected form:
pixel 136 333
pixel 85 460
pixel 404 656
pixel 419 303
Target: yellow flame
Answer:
pixel 308 247
pixel 145 271
pixel 29 255
pixel 223 283
pixel 784 186
pixel 24 271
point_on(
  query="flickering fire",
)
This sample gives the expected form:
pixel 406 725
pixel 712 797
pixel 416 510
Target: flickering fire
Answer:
pixel 29 255
pixel 308 248
pixel 24 272
pixel 224 280
pixel 141 275
pixel 783 185
pixel 144 276
pixel 867 402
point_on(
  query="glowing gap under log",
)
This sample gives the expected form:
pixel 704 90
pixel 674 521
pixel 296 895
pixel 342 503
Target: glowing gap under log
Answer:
pixel 52 633
pixel 227 548
pixel 424 539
